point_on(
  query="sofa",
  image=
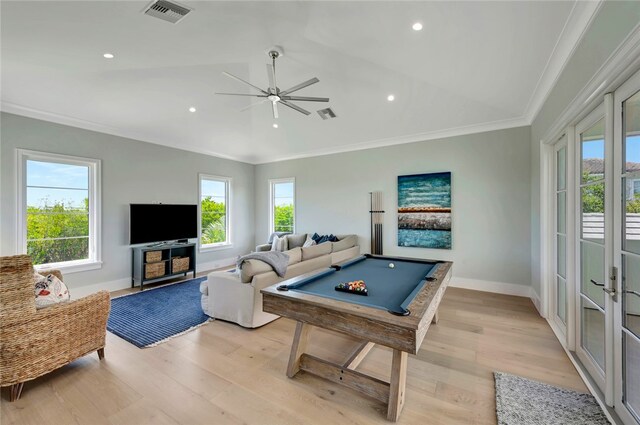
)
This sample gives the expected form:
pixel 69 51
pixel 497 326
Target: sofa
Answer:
pixel 234 296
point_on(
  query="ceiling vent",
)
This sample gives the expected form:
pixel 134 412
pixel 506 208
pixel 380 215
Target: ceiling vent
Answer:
pixel 167 11
pixel 326 114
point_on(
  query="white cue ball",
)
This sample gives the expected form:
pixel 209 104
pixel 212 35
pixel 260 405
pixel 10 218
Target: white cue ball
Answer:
pixel 391 265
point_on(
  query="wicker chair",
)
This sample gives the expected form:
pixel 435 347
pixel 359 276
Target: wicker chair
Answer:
pixel 35 342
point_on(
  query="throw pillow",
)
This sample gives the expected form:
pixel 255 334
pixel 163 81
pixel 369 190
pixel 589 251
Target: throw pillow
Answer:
pixel 49 291
pixel 309 242
pixel 324 238
pixel 279 244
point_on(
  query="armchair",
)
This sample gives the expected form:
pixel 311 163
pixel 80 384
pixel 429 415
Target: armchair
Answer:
pixel 35 342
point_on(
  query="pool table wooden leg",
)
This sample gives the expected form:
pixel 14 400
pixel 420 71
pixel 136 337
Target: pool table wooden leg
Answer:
pixel 298 347
pixel 435 318
pixel 397 385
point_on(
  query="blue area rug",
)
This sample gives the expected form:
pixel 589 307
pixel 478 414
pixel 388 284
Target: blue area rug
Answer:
pixel 149 317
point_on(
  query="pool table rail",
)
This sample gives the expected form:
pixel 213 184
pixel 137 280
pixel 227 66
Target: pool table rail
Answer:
pixel 404 333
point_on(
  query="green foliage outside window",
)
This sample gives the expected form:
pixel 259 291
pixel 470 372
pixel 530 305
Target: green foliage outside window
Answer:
pixel 213 221
pixel 593 197
pixel 283 218
pixel 48 225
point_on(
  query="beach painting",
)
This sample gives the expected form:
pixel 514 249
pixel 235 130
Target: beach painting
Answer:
pixel 424 210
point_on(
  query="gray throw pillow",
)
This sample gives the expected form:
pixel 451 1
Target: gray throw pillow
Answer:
pixel 295 241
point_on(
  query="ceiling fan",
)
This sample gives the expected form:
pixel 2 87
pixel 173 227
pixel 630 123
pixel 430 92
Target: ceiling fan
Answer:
pixel 273 93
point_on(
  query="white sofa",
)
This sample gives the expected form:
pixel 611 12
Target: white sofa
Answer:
pixel 235 296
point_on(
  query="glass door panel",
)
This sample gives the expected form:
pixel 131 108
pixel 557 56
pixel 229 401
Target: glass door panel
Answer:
pixel 593 274
pixel 627 327
pixel 593 331
pixel 562 212
pixel 561 249
pixel 593 212
pixel 631 293
pixel 559 296
pixel 593 241
pixel 631 372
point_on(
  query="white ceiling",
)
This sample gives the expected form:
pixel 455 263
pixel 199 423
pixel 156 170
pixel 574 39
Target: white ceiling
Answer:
pixel 475 66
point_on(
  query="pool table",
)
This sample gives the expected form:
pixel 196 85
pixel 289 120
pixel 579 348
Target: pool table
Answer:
pixel 402 301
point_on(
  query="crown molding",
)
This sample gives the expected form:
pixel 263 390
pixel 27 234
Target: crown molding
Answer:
pixel 13 108
pixel 400 140
pixel 619 66
pixel 580 18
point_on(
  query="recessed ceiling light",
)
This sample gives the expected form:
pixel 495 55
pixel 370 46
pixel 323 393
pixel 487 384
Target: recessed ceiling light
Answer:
pixel 275 125
pixel 192 109
pixel 417 26
pixel 108 55
pixel 391 98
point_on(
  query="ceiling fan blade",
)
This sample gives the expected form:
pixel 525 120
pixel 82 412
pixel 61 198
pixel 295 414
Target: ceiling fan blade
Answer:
pixel 243 81
pixel 252 105
pixel 299 86
pixel 271 73
pixel 242 94
pixel 305 98
pixel 296 107
pixel 275 109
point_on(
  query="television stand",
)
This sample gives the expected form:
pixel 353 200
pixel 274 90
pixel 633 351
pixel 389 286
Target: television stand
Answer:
pixel 155 263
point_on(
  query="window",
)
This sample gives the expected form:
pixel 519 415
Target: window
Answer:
pixel 283 212
pixel 214 211
pixel 59 210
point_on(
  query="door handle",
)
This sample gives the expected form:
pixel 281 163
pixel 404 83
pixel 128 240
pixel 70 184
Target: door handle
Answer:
pixel 596 283
pixel 636 293
pixel 611 291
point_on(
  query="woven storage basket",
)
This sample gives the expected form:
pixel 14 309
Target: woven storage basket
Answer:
pixel 180 264
pixel 152 256
pixel 153 270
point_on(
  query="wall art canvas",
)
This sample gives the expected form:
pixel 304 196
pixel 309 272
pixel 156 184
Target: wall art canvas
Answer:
pixel 424 210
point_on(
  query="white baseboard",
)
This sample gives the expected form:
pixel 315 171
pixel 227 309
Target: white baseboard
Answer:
pixel 112 285
pixel 491 286
pixel 216 264
pixel 535 298
pixel 124 283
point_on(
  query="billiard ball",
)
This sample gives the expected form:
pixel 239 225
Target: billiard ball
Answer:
pixel 391 265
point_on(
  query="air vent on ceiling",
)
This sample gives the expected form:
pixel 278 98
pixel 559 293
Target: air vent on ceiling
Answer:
pixel 167 11
pixel 326 113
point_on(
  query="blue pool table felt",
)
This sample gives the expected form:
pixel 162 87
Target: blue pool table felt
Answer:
pixel 389 288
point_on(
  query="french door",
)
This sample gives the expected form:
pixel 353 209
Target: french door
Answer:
pixel 607 247
pixel 561 231
pixel 594 241
pixel 626 320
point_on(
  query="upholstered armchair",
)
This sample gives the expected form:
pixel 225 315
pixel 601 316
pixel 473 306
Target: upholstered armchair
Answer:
pixel 35 342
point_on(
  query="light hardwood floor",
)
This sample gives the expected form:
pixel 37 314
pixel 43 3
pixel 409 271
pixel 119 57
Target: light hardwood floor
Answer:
pixel 222 373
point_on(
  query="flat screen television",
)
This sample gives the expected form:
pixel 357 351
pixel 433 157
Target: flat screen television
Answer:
pixel 162 222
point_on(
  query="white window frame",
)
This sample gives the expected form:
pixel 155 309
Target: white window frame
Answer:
pixel 95 208
pixel 272 193
pixel 228 242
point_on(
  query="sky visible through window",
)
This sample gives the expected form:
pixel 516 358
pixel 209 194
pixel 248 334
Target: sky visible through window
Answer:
pixel 283 193
pixel 595 149
pixel 214 189
pixel 50 183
